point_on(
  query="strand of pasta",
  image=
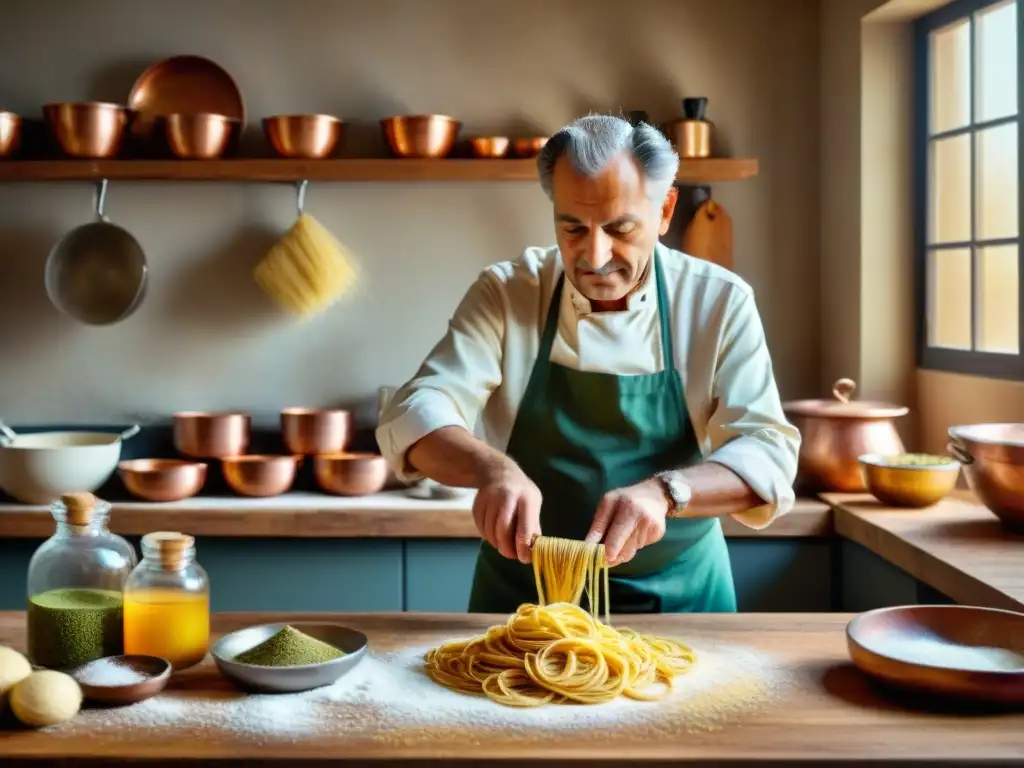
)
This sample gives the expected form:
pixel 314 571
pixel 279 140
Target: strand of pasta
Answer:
pixel 556 652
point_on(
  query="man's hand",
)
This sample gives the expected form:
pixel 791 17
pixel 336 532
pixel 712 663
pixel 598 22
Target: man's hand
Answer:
pixel 629 519
pixel 507 510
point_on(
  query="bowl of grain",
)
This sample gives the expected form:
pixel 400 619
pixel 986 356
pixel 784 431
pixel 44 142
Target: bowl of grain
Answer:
pixel 912 480
pixel 285 658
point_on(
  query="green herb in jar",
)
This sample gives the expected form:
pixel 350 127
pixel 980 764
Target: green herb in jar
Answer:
pixel 67 627
pixel 917 460
pixel 289 648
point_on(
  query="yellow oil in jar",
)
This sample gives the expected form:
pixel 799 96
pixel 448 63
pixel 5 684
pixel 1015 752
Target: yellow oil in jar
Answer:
pixel 168 623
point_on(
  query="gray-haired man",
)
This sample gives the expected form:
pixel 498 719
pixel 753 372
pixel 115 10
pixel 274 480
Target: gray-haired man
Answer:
pixel 625 389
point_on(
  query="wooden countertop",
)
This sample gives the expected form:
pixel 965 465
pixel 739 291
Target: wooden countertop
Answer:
pixel 312 515
pixel 957 546
pixel 825 712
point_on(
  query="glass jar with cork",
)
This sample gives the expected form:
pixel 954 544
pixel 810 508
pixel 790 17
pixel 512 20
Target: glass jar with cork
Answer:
pixel 75 582
pixel 167 602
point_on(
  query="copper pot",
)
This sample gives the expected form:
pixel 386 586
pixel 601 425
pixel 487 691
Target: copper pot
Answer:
pixel 162 479
pixel 423 136
pixel 87 129
pixel 260 475
pixel 309 431
pixel 836 433
pixel 10 133
pixel 311 137
pixel 202 435
pixel 351 474
pixel 200 136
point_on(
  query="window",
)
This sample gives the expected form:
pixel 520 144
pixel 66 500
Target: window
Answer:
pixel 968 208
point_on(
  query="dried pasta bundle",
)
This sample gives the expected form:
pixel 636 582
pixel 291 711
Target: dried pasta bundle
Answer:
pixel 557 652
pixel 307 270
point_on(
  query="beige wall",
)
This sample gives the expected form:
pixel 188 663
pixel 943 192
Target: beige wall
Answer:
pixel 205 338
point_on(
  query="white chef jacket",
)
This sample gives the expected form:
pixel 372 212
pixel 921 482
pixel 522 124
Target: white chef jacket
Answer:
pixel 476 376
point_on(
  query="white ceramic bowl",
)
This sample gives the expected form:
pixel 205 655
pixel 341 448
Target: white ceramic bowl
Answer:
pixel 39 468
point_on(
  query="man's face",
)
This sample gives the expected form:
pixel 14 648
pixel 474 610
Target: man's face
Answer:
pixel 607 227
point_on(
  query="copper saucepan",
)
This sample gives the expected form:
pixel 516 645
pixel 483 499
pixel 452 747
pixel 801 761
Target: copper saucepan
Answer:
pixel 97 273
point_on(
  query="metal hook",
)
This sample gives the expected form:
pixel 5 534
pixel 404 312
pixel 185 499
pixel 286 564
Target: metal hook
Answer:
pixel 100 199
pixel 300 195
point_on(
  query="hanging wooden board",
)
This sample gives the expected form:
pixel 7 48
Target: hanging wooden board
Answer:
pixel 709 234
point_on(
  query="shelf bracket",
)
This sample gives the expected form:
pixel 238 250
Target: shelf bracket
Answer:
pixel 300 195
pixel 99 199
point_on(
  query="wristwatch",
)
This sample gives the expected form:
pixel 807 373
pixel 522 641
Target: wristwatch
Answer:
pixel 678 492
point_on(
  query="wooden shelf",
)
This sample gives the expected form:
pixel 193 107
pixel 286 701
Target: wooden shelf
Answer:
pixel 283 170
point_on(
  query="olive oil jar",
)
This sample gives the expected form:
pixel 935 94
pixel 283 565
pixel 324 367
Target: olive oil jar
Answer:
pixel 75 582
pixel 167 602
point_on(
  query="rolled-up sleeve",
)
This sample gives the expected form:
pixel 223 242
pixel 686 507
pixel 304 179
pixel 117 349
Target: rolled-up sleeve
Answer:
pixel 748 430
pixel 455 381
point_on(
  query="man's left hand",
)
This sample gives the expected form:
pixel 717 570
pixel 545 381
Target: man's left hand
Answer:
pixel 629 519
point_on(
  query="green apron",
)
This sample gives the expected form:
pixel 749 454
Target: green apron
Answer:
pixel 580 434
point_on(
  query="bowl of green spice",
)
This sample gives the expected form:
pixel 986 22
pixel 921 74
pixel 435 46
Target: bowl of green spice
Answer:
pixel 289 657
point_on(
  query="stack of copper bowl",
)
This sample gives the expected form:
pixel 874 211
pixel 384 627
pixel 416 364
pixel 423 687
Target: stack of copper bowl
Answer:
pixel 326 435
pixel 421 136
pixel 307 137
pixel 87 129
pixel 529 147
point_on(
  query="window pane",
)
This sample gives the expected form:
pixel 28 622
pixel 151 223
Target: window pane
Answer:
pixel 998 318
pixel 949 216
pixel 995 78
pixel 950 87
pixel 949 298
pixel 997 186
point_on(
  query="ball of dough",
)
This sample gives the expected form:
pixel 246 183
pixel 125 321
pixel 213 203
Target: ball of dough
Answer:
pixel 13 669
pixel 46 698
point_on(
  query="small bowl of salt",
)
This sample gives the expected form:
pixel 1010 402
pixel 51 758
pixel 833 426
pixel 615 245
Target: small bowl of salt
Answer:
pixel 122 679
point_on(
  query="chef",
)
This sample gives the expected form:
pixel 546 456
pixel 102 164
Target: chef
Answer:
pixel 608 388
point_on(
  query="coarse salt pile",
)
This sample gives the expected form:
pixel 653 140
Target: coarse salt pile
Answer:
pixel 389 698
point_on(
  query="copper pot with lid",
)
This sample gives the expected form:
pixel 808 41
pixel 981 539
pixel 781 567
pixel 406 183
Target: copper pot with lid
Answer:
pixel 835 433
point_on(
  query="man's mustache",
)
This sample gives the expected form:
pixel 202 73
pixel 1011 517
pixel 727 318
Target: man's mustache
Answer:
pixel 604 271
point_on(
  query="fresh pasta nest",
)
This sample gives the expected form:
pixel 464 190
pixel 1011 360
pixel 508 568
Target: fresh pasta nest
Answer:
pixel 558 652
pixel 307 270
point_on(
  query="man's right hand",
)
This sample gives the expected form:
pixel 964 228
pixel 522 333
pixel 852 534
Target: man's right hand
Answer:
pixel 507 510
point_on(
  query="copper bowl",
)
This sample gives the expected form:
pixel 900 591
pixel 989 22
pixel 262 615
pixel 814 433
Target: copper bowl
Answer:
pixel 489 146
pixel 10 133
pixel 958 651
pixel 308 431
pixel 198 137
pixel 422 136
pixel 351 474
pixel 312 137
pixel 202 435
pixel 260 475
pixel 162 479
pixel 905 481
pixel 529 147
pixel 993 460
pixel 87 129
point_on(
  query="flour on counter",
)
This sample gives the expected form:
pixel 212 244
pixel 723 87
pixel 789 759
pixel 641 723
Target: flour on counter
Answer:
pixel 388 697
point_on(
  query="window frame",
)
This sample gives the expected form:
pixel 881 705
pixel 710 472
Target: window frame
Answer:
pixel 972 362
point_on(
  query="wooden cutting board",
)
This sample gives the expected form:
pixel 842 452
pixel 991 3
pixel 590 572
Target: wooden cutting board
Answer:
pixel 709 234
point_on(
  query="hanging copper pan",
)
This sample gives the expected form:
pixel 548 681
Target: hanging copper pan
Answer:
pixel 187 85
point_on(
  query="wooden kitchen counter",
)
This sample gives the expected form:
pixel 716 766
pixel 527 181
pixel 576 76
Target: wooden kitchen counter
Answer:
pixel 823 712
pixel 957 546
pixel 392 514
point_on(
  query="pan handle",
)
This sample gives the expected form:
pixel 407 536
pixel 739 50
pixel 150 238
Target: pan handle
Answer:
pixel 100 199
pixel 132 431
pixel 7 435
pixel 300 196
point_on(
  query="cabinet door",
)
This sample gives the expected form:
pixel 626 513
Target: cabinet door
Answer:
pixel 439 574
pixel 787 575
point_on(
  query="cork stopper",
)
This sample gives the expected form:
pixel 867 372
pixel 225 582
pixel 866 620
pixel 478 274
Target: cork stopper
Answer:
pixel 79 506
pixel 169 547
